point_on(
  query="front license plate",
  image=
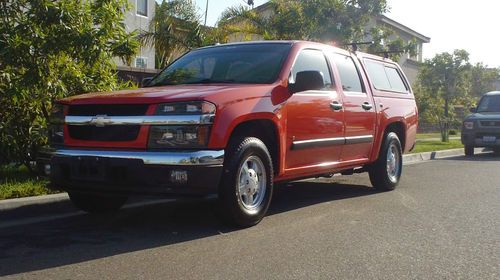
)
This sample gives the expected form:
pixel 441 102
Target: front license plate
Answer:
pixel 88 169
pixel 489 139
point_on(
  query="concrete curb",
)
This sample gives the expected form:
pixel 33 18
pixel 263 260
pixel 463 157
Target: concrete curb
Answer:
pixel 62 198
pixel 13 203
pixel 414 158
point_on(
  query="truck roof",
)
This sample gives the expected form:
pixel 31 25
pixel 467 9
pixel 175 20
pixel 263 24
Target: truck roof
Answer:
pixel 492 93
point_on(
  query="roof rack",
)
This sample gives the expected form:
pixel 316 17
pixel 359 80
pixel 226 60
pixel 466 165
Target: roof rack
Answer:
pixel 354 45
pixel 386 53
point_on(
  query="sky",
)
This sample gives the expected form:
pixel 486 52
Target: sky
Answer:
pixel 451 24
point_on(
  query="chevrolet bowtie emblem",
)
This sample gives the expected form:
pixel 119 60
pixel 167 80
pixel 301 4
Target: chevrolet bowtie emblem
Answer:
pixel 100 120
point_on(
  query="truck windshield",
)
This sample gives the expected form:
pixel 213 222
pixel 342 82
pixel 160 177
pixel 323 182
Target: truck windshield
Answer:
pixel 489 104
pixel 245 63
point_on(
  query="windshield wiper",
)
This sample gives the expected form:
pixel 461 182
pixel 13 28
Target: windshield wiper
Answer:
pixel 163 83
pixel 211 81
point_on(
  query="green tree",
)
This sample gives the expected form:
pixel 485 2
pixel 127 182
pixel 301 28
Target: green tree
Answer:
pixel 444 82
pixel 320 20
pixel 393 47
pixel 50 50
pixel 174 29
pixel 483 79
pixel 338 21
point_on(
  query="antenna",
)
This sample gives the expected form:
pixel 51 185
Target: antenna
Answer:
pixel 354 45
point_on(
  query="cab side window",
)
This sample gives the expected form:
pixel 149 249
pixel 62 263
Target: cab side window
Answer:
pixel 349 75
pixel 312 60
pixel 385 77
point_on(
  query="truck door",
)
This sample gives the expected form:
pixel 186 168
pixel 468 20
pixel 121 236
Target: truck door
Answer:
pixel 359 109
pixel 314 119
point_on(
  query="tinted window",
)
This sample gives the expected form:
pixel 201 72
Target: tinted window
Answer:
pixel 349 76
pixel 385 77
pixel 489 104
pixel 377 75
pixel 312 60
pixel 246 63
pixel 395 80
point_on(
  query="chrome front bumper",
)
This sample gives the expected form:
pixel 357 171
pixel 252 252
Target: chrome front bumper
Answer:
pixel 198 157
pixel 141 172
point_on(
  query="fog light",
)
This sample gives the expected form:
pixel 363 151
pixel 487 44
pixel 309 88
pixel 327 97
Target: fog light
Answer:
pixel 179 176
pixel 46 169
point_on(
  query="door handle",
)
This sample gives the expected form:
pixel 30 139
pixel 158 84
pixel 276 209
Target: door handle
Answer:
pixel 335 105
pixel 367 106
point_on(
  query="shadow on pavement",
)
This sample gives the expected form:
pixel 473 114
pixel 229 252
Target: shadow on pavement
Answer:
pixel 86 237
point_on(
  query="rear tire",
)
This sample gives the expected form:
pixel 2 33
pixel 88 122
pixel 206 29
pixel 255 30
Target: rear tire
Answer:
pixel 97 204
pixel 385 173
pixel 247 184
pixel 469 150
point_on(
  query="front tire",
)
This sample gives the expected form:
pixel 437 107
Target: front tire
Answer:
pixel 469 150
pixel 247 185
pixel 97 204
pixel 385 173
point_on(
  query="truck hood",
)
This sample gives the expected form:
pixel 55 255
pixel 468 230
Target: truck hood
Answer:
pixel 483 116
pixel 151 95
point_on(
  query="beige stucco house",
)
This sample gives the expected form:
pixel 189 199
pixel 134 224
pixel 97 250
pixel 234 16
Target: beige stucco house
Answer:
pixel 138 17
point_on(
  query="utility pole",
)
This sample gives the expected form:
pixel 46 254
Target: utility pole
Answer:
pixel 448 89
pixel 206 13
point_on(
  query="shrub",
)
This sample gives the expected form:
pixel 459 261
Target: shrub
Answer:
pixel 50 50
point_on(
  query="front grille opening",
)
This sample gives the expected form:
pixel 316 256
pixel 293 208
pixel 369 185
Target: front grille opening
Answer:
pixel 490 123
pixel 108 133
pixel 108 109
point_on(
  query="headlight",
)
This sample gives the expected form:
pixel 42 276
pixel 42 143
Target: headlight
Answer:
pixel 188 136
pixel 56 124
pixel 468 125
pixel 183 136
pixel 186 108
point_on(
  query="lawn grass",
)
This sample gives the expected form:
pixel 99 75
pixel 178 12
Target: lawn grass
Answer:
pixel 437 135
pixel 18 182
pixel 428 135
pixel 431 146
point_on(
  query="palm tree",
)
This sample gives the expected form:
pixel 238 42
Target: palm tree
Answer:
pixel 243 20
pixel 174 29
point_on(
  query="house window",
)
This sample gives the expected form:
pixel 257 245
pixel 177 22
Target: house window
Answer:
pixel 141 62
pixel 142 7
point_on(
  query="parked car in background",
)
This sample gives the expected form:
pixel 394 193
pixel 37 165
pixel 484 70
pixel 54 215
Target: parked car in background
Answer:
pixel 482 127
pixel 231 120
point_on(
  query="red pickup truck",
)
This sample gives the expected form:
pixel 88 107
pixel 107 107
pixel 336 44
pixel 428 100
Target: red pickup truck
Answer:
pixel 232 120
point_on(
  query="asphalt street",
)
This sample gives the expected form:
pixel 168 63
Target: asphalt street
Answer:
pixel 442 222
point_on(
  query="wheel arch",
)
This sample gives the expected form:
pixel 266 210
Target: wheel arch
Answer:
pixel 266 129
pixel 397 126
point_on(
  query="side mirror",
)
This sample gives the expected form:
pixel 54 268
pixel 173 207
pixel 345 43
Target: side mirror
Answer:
pixel 307 80
pixel 146 81
pixel 473 110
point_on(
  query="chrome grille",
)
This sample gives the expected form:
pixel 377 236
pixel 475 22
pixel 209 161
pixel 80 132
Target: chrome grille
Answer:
pixel 108 110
